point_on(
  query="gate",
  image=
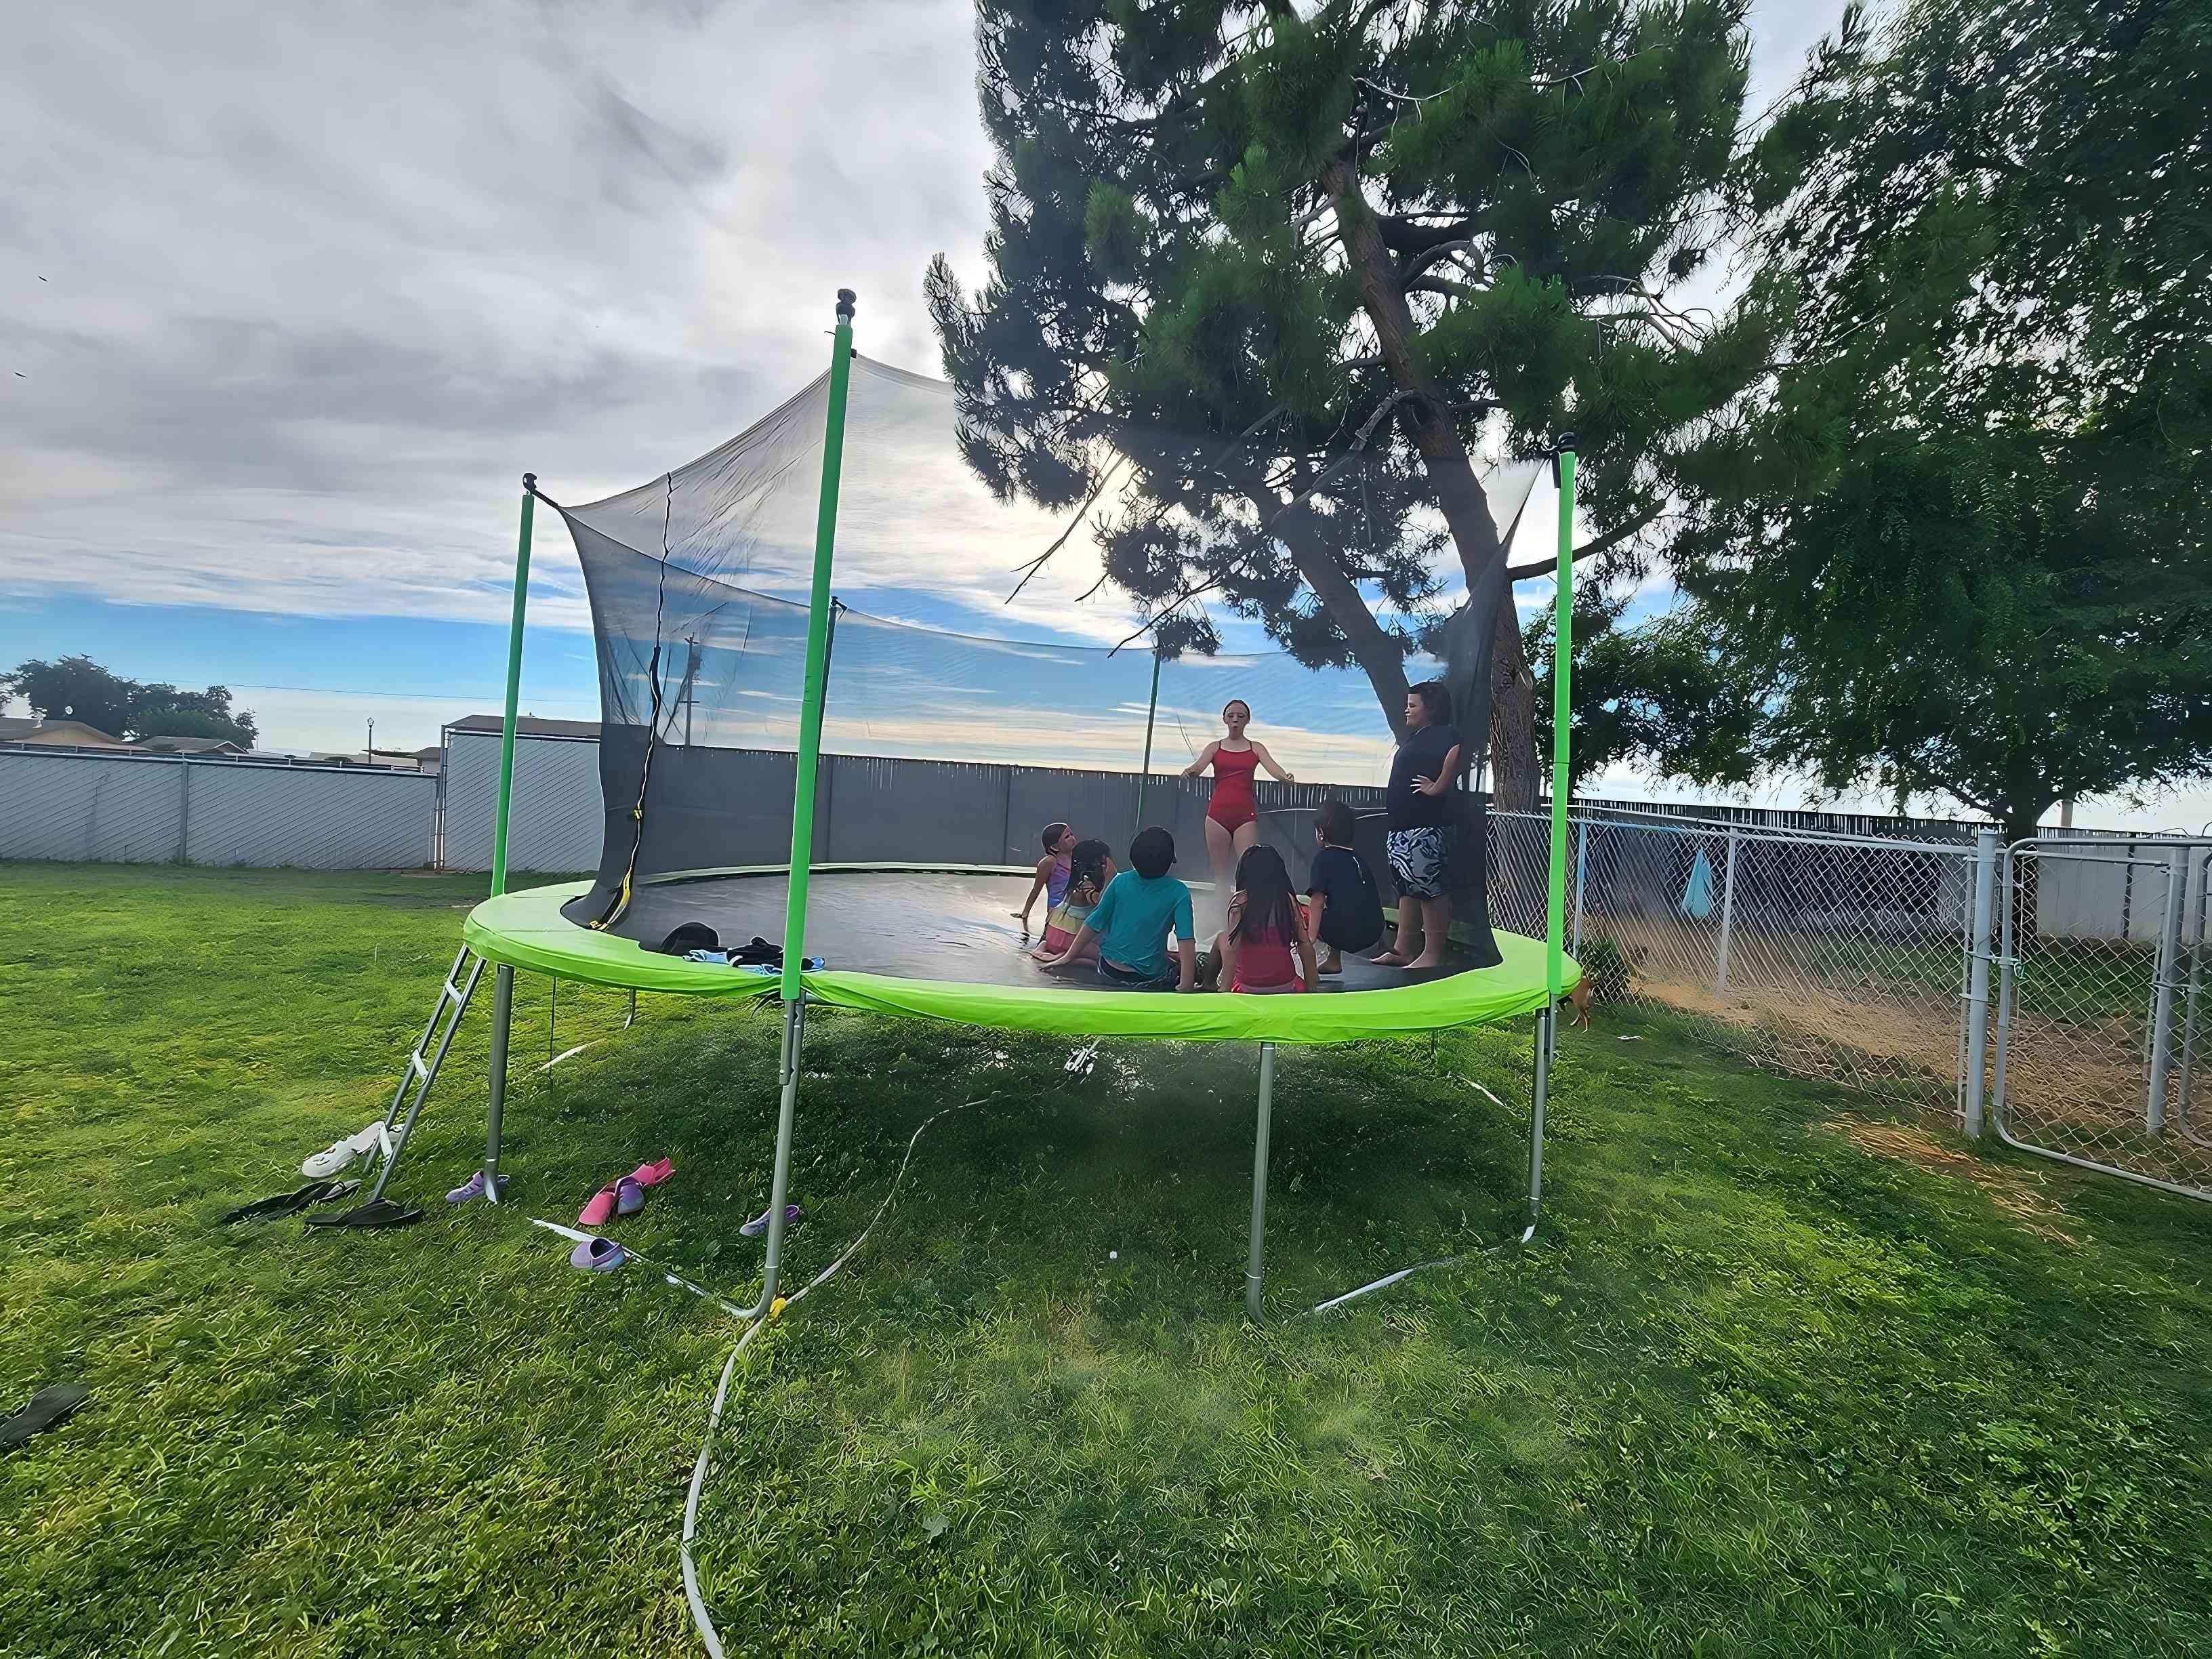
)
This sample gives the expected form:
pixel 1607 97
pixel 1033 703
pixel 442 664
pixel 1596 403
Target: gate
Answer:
pixel 2102 1008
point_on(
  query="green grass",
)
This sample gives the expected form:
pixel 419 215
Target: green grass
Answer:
pixel 1756 1390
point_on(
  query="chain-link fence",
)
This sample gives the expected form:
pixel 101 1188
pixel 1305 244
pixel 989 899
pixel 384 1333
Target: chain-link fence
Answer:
pixel 2102 1007
pixel 1843 957
pixel 2064 981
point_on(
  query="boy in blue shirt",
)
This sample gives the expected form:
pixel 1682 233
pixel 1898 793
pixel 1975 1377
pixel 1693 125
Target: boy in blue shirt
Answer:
pixel 1343 908
pixel 1132 919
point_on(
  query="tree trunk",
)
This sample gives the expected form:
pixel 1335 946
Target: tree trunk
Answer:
pixel 1376 651
pixel 1516 769
pixel 1425 414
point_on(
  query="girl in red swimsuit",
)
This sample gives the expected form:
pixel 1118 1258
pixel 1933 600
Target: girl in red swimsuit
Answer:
pixel 1232 819
pixel 1265 943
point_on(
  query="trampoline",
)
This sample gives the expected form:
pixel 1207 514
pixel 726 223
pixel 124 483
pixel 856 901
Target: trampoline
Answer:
pixel 696 669
pixel 957 954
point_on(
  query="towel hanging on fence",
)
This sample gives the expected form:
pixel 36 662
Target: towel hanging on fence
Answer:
pixel 1698 891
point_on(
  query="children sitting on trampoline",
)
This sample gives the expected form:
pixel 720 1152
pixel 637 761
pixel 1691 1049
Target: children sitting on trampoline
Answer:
pixel 1090 866
pixel 1132 921
pixel 1272 939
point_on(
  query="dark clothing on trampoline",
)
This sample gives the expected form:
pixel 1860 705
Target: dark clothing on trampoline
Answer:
pixel 1352 910
pixel 1115 978
pixel 1422 755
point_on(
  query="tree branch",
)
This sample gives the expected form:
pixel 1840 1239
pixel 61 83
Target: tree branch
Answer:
pixel 1596 544
pixel 1358 445
pixel 1443 285
pixel 1033 566
pixel 1402 234
pixel 1437 255
pixel 1167 611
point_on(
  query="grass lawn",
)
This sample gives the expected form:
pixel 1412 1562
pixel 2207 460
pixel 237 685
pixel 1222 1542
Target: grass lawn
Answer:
pixel 1784 1374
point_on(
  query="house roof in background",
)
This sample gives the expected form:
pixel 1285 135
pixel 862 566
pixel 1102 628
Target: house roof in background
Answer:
pixel 18 728
pixel 173 745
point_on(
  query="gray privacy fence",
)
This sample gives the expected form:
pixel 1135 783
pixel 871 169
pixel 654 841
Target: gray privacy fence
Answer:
pixel 554 818
pixel 867 808
pixel 128 808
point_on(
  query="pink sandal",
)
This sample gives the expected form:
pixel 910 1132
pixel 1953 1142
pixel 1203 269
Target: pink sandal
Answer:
pixel 624 1197
pixel 599 1209
pixel 652 1174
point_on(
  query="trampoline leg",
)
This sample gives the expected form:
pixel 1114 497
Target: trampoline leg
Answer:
pixel 794 1031
pixel 1254 1268
pixel 502 1018
pixel 1541 1097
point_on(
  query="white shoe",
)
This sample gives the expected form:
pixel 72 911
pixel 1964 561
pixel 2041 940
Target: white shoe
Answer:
pixel 333 1158
pixel 341 1155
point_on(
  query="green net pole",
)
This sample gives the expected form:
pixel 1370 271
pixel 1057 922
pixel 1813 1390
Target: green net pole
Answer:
pixel 1563 651
pixel 514 690
pixel 818 652
pixel 1145 773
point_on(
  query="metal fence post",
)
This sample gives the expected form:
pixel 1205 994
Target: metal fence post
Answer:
pixel 184 810
pixel 2185 1088
pixel 2008 948
pixel 2161 1017
pixel 1978 983
pixel 1728 909
pixel 1582 869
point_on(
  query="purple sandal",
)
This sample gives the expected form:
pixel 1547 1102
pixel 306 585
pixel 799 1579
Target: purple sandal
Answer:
pixel 597 1255
pixel 471 1190
pixel 791 1215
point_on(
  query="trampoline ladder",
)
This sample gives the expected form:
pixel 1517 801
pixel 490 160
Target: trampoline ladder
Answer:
pixel 420 1070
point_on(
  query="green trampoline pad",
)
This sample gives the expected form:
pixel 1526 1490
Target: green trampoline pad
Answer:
pixel 941 944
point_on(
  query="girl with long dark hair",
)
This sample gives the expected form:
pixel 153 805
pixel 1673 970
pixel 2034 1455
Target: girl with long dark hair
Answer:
pixel 1265 944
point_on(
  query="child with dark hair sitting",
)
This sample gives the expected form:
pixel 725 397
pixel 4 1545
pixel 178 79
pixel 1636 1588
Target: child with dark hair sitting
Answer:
pixel 1265 943
pixel 1052 871
pixel 1133 919
pixel 1090 866
pixel 1343 911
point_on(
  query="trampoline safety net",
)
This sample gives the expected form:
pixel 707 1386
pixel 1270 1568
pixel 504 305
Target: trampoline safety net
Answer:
pixel 938 747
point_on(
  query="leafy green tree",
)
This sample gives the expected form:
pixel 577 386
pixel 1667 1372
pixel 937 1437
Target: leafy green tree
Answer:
pixel 1266 281
pixel 77 688
pixel 74 688
pixel 1963 525
pixel 1669 695
pixel 161 710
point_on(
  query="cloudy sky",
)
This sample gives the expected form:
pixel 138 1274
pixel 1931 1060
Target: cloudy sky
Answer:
pixel 290 297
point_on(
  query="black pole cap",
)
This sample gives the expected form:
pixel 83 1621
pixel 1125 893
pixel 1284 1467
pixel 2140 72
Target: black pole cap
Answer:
pixel 846 301
pixel 1565 445
pixel 530 481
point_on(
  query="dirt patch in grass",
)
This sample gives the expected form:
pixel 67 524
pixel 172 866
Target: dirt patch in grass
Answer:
pixel 2012 1191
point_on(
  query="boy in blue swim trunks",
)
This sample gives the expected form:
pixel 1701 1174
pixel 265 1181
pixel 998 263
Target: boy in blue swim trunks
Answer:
pixel 1133 919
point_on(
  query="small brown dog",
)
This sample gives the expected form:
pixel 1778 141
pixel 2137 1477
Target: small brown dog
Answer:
pixel 1578 1005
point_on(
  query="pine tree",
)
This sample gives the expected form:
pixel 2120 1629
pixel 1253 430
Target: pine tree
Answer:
pixel 1266 283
